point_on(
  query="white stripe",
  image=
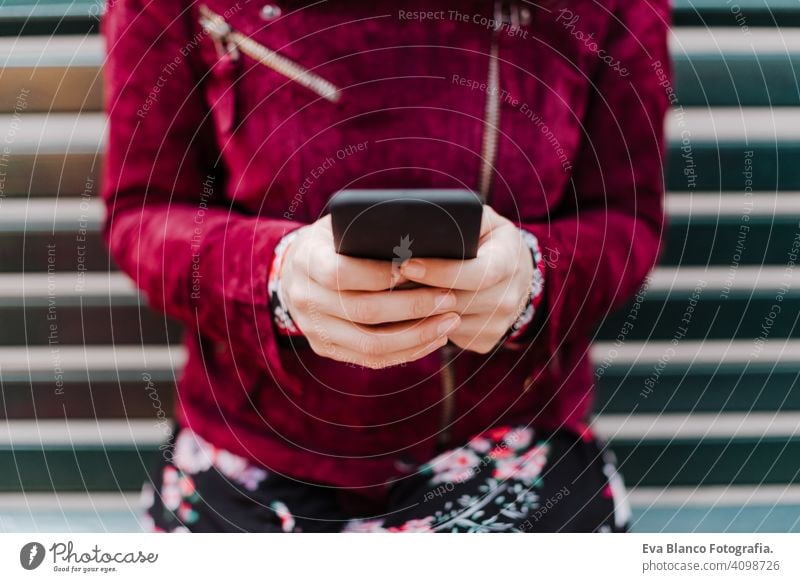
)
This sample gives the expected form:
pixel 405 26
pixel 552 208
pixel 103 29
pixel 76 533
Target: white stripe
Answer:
pixel 734 204
pixel 733 124
pixel 31 11
pixel 722 352
pixel 54 133
pixel 716 279
pixel 732 40
pixel 82 432
pixel 29 287
pixel 732 496
pixel 639 427
pixel 50 214
pixel 50 502
pixel 122 359
pixel 52 51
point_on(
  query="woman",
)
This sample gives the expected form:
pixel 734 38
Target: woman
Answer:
pixel 315 395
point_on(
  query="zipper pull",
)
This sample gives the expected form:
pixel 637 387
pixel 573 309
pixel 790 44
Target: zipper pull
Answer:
pixel 219 31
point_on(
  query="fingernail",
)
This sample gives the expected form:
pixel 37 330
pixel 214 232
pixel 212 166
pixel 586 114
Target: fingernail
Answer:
pixel 446 325
pixel 414 269
pixel 446 301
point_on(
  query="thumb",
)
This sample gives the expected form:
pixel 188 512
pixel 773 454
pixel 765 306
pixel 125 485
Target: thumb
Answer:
pixel 490 220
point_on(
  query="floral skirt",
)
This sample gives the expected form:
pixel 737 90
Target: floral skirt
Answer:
pixel 508 479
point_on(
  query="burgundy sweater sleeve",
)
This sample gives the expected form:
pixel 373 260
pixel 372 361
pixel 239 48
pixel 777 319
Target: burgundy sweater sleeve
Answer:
pixel 599 250
pixel 193 255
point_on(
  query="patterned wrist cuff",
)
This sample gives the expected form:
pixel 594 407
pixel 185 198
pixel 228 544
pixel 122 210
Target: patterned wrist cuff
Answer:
pixel 284 323
pixel 521 325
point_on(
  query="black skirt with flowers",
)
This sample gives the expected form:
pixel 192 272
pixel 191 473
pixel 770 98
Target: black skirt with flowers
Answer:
pixel 508 479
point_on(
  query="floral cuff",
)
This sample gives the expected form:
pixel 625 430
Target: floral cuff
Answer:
pixel 523 322
pixel 284 323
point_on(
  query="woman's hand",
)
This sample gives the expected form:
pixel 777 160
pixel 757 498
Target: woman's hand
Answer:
pixel 347 310
pixel 491 290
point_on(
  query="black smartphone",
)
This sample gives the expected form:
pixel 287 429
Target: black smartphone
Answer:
pixel 401 224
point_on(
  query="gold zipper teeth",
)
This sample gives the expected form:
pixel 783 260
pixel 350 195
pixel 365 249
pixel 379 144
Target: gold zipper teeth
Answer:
pixel 491 120
pixel 286 67
pixel 220 30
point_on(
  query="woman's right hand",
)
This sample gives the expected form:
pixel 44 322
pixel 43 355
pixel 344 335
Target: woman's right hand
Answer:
pixel 348 310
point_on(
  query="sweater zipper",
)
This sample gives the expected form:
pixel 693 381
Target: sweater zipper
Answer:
pixel 491 117
pixel 488 154
pixel 230 41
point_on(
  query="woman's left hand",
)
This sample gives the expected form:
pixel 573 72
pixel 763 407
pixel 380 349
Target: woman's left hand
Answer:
pixel 492 289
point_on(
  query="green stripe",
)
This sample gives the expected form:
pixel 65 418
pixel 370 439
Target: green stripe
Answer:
pixel 713 461
pixel 88 325
pixel 741 13
pixel 737 80
pixel 708 166
pixel 742 239
pixel 677 388
pixel 143 397
pixel 75 468
pixel 704 316
pixel 751 519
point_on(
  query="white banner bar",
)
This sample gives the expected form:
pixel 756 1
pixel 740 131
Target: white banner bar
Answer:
pixel 401 558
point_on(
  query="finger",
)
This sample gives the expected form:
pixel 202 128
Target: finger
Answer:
pixel 338 272
pixel 377 341
pixel 494 300
pixel 390 306
pixel 478 333
pixel 489 268
pixel 348 356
